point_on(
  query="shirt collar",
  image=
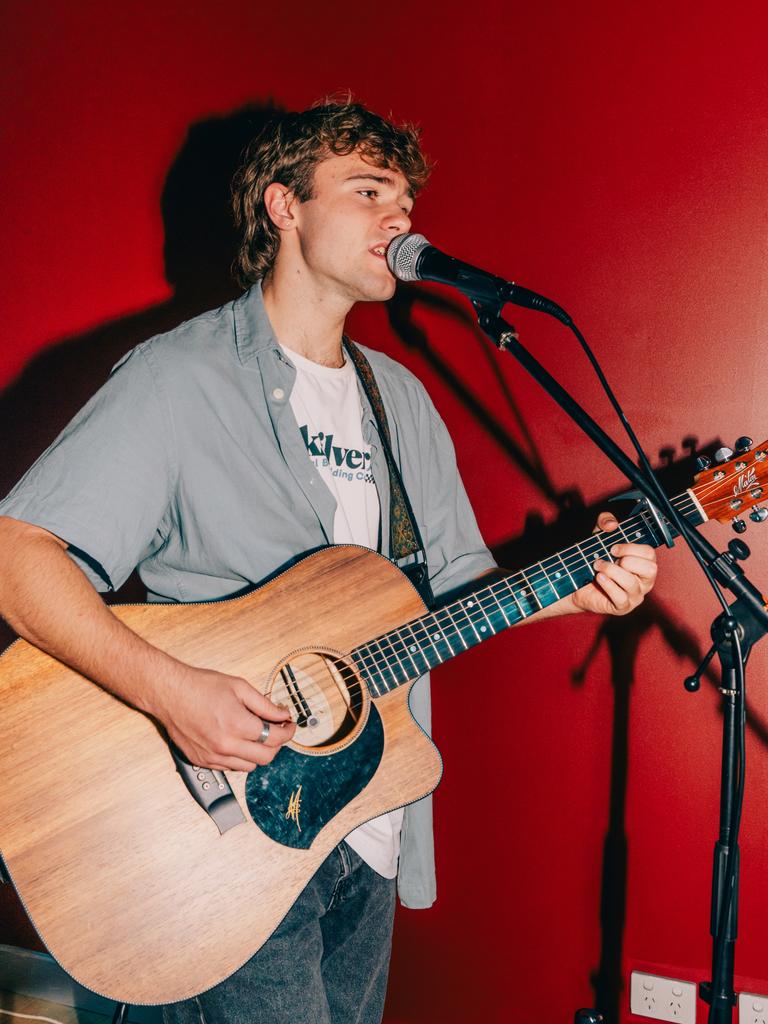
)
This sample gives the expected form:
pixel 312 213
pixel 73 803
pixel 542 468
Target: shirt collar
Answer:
pixel 253 331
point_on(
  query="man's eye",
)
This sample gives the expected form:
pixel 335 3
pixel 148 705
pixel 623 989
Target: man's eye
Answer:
pixel 371 193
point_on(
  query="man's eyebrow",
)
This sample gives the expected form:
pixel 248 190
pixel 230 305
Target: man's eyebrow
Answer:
pixel 380 179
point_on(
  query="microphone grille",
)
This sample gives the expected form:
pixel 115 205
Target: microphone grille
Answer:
pixel 402 255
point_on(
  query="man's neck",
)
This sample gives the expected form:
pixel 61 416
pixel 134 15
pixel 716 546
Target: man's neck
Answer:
pixel 306 319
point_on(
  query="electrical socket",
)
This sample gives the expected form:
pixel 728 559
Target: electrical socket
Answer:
pixel 664 998
pixel 753 1009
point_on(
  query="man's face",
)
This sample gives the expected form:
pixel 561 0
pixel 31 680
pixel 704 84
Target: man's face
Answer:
pixel 355 211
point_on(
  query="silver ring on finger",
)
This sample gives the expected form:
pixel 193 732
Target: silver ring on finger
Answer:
pixel 264 734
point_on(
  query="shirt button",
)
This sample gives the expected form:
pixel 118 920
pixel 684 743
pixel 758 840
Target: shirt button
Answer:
pixel 279 394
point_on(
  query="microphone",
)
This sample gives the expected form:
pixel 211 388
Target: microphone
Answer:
pixel 412 258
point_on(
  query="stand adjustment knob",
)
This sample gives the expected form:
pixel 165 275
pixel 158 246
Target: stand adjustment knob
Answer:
pixel 693 683
pixel 743 444
pixel 723 454
pixel 739 525
pixel 758 515
pixel 703 462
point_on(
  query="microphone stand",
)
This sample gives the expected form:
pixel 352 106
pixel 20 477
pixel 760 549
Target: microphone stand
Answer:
pixel 734 633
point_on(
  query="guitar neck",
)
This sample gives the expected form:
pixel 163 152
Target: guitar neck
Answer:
pixel 406 653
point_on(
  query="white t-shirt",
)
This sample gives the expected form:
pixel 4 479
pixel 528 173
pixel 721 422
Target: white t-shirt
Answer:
pixel 326 404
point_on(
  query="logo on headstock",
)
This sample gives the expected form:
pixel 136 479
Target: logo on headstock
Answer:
pixel 745 481
pixel 294 807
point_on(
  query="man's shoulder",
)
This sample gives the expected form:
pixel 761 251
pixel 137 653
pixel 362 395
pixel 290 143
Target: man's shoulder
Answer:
pixel 200 334
pixel 200 341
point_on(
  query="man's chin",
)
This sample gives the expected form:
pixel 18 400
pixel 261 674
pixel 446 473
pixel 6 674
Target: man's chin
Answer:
pixel 378 291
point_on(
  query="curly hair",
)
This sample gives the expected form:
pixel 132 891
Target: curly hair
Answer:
pixel 287 151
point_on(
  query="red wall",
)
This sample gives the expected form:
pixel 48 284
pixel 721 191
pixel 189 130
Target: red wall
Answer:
pixel 613 156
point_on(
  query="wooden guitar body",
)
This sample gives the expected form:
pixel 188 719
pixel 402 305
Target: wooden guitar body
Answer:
pixel 127 880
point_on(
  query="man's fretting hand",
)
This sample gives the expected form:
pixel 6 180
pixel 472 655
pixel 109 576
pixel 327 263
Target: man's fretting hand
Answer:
pixel 621 585
pixel 216 720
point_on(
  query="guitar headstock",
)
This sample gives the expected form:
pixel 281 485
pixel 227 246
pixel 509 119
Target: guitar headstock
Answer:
pixel 735 484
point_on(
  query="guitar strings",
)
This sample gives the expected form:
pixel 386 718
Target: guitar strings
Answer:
pixel 476 617
pixel 395 659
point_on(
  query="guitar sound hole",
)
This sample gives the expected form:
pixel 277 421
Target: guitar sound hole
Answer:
pixel 325 697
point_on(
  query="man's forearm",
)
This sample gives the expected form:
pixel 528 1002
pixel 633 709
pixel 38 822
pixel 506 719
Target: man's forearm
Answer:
pixel 217 720
pixel 49 601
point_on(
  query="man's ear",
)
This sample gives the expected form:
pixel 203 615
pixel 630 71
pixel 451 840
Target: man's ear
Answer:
pixel 279 201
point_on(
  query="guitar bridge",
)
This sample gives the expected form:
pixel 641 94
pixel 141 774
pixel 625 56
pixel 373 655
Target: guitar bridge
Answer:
pixel 210 789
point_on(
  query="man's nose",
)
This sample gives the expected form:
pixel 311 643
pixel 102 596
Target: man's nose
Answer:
pixel 397 221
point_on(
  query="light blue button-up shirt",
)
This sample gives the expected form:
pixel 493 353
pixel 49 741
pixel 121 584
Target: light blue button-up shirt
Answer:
pixel 189 464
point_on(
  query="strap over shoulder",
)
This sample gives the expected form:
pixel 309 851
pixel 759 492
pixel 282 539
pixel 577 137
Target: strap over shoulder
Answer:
pixel 405 544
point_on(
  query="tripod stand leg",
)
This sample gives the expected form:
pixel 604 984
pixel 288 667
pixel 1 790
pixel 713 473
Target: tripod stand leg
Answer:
pixel 121 1013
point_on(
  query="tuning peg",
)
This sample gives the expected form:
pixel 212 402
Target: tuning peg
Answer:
pixel 739 525
pixel 738 549
pixel 743 444
pixel 758 515
pixel 723 454
pixel 703 462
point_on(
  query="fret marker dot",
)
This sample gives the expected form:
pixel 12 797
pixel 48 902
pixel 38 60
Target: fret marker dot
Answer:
pixel 470 603
pixel 413 648
pixel 558 575
pixel 436 636
pixel 483 629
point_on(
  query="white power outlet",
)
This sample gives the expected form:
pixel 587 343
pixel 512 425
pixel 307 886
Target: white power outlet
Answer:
pixel 753 1009
pixel 664 998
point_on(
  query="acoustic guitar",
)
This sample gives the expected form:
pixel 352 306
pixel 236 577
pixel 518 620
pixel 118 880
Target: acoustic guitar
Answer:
pixel 151 880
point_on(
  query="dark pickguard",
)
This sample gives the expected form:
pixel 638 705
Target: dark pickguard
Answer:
pixel 328 782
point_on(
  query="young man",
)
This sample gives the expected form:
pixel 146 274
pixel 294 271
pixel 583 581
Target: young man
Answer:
pixel 221 452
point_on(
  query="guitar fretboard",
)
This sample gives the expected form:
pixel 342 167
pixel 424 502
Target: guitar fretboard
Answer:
pixel 406 653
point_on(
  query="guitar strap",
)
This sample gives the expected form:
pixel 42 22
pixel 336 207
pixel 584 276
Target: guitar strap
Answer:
pixel 405 544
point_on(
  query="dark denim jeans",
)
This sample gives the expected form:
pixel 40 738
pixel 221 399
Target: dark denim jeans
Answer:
pixel 326 963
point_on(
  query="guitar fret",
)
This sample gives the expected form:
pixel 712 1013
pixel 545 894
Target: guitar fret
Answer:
pixel 415 651
pixel 468 605
pixel 525 596
pixel 479 620
pixel 423 633
pixel 445 622
pixel 583 568
pixel 456 626
pixel 563 580
pixel 434 647
pixel 483 612
pixel 410 650
pixel 606 552
pixel 548 599
pixel 511 592
pixel 399 665
pixel 500 607
pixel 365 671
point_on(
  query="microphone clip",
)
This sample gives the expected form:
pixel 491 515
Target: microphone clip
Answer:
pixel 489 317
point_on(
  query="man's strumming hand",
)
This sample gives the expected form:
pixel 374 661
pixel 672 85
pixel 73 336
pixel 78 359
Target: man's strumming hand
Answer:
pixel 216 719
